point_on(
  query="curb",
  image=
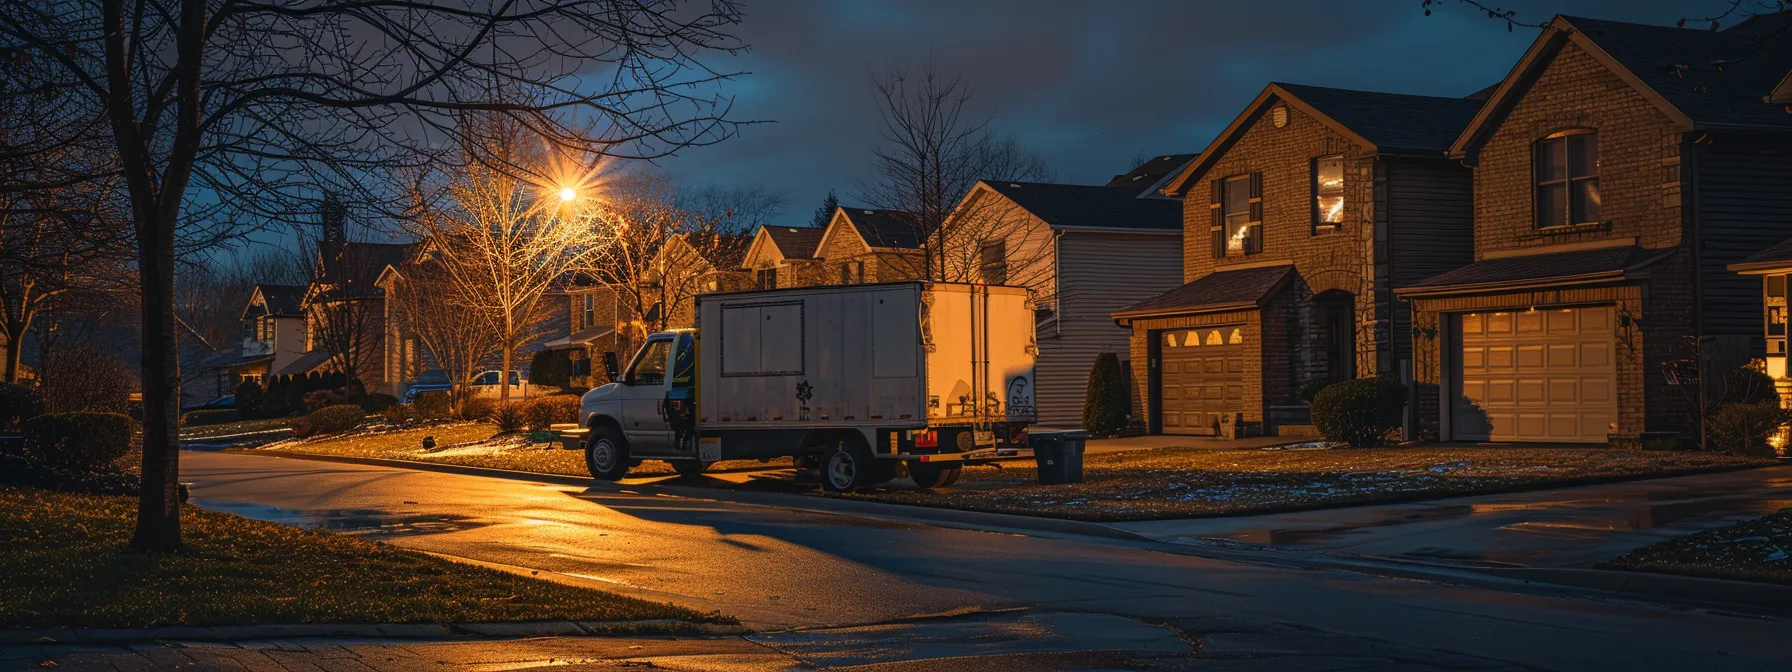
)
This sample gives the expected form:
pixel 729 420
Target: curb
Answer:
pixel 833 505
pixel 1768 597
pixel 234 633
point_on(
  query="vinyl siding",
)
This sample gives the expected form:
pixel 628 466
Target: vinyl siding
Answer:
pixel 1430 229
pixel 1745 206
pixel 1098 273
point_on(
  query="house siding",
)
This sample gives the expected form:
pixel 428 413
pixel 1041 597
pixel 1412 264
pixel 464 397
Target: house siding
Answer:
pixel 1097 274
pixel 1429 205
pixel 1744 204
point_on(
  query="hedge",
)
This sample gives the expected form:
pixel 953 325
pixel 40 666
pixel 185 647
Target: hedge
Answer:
pixel 542 412
pixel 213 416
pixel 1359 412
pixel 17 404
pixel 328 420
pixel 1105 407
pixel 78 442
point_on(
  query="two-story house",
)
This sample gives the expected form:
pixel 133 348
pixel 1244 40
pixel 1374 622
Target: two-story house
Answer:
pixel 1774 266
pixel 1082 252
pixel 1299 220
pixel 1618 170
pixel 784 256
pixel 861 246
pixel 273 332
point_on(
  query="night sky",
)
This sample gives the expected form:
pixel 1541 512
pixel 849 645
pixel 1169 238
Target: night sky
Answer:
pixel 1090 84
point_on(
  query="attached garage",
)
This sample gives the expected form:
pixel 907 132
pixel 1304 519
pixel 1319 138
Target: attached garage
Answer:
pixel 1540 375
pixel 1201 378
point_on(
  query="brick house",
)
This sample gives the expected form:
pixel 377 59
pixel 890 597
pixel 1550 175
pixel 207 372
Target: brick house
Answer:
pixel 1299 221
pixel 1082 252
pixel 784 256
pixel 1618 170
pixel 860 246
pixel 1773 265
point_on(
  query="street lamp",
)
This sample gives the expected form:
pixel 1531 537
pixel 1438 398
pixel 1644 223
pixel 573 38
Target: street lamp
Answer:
pixel 567 194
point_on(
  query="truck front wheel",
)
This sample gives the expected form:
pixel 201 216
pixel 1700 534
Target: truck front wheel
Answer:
pixel 606 456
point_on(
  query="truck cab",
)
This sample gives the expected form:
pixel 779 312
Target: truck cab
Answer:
pixel 648 410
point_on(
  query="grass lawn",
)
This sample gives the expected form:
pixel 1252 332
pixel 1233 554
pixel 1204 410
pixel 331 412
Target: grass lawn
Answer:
pixel 1197 482
pixel 1755 550
pixel 239 427
pixel 64 563
pixel 475 444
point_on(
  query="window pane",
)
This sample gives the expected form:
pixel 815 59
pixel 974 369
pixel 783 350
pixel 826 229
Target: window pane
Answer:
pixel 1586 201
pixel 1328 187
pixel 1776 285
pixel 1551 160
pixel 1238 196
pixel 1583 154
pixel 1552 204
pixel 1238 229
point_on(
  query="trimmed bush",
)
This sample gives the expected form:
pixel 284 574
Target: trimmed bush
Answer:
pixel 79 441
pixel 1359 412
pixel 17 404
pixel 373 403
pixel 1105 406
pixel 1746 385
pixel 542 412
pixel 432 405
pixel 551 367
pixel 508 416
pixel 213 416
pixel 476 408
pixel 1743 428
pixel 328 420
pixel 1311 389
pixel 320 399
pixel 249 399
pixel 397 414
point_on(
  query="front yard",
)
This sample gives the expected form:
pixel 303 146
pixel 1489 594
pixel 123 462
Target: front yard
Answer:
pixel 64 563
pixel 1196 482
pixel 471 444
pixel 1755 550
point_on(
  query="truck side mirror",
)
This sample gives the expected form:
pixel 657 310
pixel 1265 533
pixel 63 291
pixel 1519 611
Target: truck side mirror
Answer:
pixel 610 366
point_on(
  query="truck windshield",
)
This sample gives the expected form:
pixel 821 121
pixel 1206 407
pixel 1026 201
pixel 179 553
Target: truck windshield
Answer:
pixel 650 366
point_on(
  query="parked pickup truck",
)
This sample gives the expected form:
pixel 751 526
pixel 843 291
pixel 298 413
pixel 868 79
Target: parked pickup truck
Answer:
pixel 863 382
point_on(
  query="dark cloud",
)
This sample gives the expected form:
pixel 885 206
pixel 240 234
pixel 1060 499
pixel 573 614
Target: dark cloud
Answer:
pixel 1089 84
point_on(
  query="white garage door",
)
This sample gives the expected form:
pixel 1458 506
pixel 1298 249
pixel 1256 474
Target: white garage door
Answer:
pixel 1542 375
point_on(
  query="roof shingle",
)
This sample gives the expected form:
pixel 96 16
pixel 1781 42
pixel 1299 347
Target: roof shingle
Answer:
pixel 794 242
pixel 1392 121
pixel 1080 206
pixel 1243 288
pixel 884 228
pixel 1716 78
pixel 1597 264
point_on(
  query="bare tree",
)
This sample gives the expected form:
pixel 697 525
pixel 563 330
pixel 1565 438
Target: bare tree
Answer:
pixel 430 305
pixel 989 238
pixel 505 238
pixel 934 151
pixel 258 104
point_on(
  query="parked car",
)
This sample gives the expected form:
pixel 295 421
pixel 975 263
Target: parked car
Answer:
pixel 433 380
pixel 486 384
pixel 227 401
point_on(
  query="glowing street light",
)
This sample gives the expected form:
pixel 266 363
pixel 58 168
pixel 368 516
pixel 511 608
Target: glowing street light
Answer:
pixel 567 194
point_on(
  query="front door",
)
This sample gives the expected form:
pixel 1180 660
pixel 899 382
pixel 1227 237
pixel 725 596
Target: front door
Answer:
pixel 644 391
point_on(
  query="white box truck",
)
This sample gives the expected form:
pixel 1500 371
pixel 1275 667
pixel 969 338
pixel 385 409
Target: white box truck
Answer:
pixel 862 382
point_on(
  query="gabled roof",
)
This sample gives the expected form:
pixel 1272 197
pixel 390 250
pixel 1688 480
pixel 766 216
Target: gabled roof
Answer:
pixel 795 242
pixel 1242 289
pixel 1778 257
pixel 1145 179
pixel 1388 123
pixel 1702 79
pixel 306 363
pixel 1555 270
pixel 724 251
pixel 889 229
pixel 286 300
pixel 353 269
pixel 1075 206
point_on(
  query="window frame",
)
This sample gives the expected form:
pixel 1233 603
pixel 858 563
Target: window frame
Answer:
pixel 588 314
pixel 999 266
pixel 1568 181
pixel 1318 224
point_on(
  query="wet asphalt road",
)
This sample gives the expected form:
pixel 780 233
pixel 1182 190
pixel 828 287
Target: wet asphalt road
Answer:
pixel 849 590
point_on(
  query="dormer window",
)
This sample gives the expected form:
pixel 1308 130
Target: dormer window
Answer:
pixel 1567 176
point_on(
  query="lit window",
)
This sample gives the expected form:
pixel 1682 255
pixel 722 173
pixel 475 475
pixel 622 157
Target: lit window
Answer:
pixel 1214 338
pixel 1236 338
pixel 1239 228
pixel 1328 191
pixel 1567 173
pixel 590 313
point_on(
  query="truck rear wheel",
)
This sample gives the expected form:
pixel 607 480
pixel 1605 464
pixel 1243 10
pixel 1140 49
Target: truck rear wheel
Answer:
pixel 932 475
pixel 850 465
pixel 606 456
pixel 688 468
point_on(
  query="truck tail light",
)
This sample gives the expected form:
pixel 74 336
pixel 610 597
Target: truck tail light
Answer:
pixel 1017 435
pixel 927 439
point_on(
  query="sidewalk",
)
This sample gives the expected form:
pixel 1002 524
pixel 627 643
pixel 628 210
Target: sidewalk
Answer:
pixel 1161 441
pixel 312 655
pixel 1566 528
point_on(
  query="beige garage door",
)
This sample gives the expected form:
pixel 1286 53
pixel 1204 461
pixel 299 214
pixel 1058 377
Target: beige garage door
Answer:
pixel 1202 378
pixel 1542 375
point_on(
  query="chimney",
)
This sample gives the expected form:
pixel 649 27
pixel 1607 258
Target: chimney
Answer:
pixel 334 220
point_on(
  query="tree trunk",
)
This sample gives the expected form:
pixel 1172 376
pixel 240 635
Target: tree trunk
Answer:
pixel 504 375
pixel 14 339
pixel 158 508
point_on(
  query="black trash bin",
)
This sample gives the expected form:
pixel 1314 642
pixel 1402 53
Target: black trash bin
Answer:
pixel 1059 455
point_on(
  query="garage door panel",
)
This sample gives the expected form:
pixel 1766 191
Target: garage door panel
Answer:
pixel 1206 365
pixel 1543 375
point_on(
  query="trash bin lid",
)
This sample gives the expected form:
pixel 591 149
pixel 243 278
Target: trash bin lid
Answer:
pixel 1059 434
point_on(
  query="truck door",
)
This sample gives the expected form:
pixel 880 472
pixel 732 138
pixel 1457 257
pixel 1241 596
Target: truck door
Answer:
pixel 644 388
